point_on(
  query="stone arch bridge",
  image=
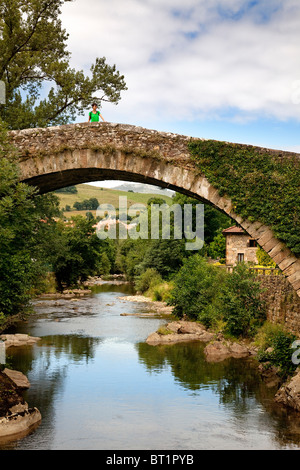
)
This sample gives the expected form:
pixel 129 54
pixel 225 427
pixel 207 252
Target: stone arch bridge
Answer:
pixel 56 157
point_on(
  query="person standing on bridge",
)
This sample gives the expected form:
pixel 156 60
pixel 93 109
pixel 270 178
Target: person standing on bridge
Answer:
pixel 94 114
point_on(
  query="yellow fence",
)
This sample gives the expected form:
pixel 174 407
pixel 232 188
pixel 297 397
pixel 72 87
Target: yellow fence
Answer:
pixel 259 270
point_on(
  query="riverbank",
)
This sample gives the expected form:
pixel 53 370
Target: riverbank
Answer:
pixel 219 348
pixel 16 418
pixel 136 388
pixel 152 307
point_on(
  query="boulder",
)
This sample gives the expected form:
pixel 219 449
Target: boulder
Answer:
pixel 217 351
pixel 191 328
pixel 18 378
pixel 21 422
pixel 18 339
pixel 289 393
pixel 156 338
pixel 239 350
pixel 269 374
pixel 181 331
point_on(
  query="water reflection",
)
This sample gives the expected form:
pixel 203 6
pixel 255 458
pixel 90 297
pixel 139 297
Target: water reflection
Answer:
pixel 236 382
pixel 98 385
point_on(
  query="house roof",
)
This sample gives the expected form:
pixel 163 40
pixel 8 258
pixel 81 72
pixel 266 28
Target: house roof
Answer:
pixel 233 229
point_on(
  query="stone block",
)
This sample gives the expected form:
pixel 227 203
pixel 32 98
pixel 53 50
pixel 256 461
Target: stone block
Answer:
pixel 18 378
pixel 284 264
pixel 277 249
pixel 271 244
pixel 294 279
pixel 265 237
pixel 294 267
pixel 281 255
pixel 214 196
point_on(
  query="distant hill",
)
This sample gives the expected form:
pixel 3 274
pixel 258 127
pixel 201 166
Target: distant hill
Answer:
pixel 144 189
pixel 104 196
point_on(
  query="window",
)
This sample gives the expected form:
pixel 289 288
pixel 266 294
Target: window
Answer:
pixel 252 243
pixel 240 257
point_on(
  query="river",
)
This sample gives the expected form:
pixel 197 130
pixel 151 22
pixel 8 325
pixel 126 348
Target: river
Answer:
pixel 98 385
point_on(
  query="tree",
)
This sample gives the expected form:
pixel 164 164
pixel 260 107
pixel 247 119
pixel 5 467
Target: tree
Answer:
pixel 68 190
pixel 24 222
pixel 195 289
pixel 217 248
pixel 240 304
pixel 214 219
pixel 78 252
pixel 33 52
pixel 210 295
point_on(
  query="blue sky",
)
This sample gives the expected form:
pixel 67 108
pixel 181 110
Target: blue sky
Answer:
pixel 221 69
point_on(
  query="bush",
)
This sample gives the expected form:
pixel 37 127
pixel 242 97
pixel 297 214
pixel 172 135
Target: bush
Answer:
pixel 162 292
pixel 280 354
pixel 148 280
pixel 264 259
pixel 217 248
pixel 206 293
pixel 195 289
pixel 240 304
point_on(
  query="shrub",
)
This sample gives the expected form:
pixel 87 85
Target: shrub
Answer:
pixel 206 293
pixel 280 355
pixel 240 304
pixel 162 292
pixel 195 289
pixel 264 259
pixel 148 280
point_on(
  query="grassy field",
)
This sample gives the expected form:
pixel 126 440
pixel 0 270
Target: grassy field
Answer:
pixel 104 196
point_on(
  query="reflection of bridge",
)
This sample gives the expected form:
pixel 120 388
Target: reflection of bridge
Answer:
pixel 56 157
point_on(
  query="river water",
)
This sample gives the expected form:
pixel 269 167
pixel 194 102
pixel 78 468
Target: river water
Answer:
pixel 98 385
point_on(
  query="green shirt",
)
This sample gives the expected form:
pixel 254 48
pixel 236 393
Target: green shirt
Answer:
pixel 94 117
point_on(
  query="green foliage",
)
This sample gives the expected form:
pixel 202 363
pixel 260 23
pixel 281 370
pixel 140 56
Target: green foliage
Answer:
pixel 214 220
pixel 25 225
pixel 105 265
pixel 240 305
pixel 163 330
pixel 217 248
pixel 195 287
pixel 279 342
pixel 148 280
pixel 162 292
pixel 208 294
pixel 130 255
pixel 27 61
pixel 68 190
pixel 264 259
pixel 262 187
pixel 87 204
pixel 77 252
pixel 165 256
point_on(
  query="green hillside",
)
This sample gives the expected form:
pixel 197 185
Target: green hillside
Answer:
pixel 104 196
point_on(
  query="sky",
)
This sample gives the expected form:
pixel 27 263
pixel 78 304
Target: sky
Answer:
pixel 219 69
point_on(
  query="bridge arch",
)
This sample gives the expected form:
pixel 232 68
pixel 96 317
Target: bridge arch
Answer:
pixel 61 156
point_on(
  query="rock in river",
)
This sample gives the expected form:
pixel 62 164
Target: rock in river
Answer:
pixel 179 331
pixel 18 340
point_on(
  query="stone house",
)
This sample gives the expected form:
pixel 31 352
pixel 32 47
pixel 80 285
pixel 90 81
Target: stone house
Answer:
pixel 239 246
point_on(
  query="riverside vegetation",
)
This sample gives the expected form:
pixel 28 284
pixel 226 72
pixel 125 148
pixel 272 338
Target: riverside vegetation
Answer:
pixel 35 241
pixel 39 250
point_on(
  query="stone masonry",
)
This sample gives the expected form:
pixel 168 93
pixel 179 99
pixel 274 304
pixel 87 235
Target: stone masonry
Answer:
pixel 238 244
pixel 61 156
pixel 282 302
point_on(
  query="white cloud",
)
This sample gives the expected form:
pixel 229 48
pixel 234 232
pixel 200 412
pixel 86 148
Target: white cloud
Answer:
pixel 191 59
